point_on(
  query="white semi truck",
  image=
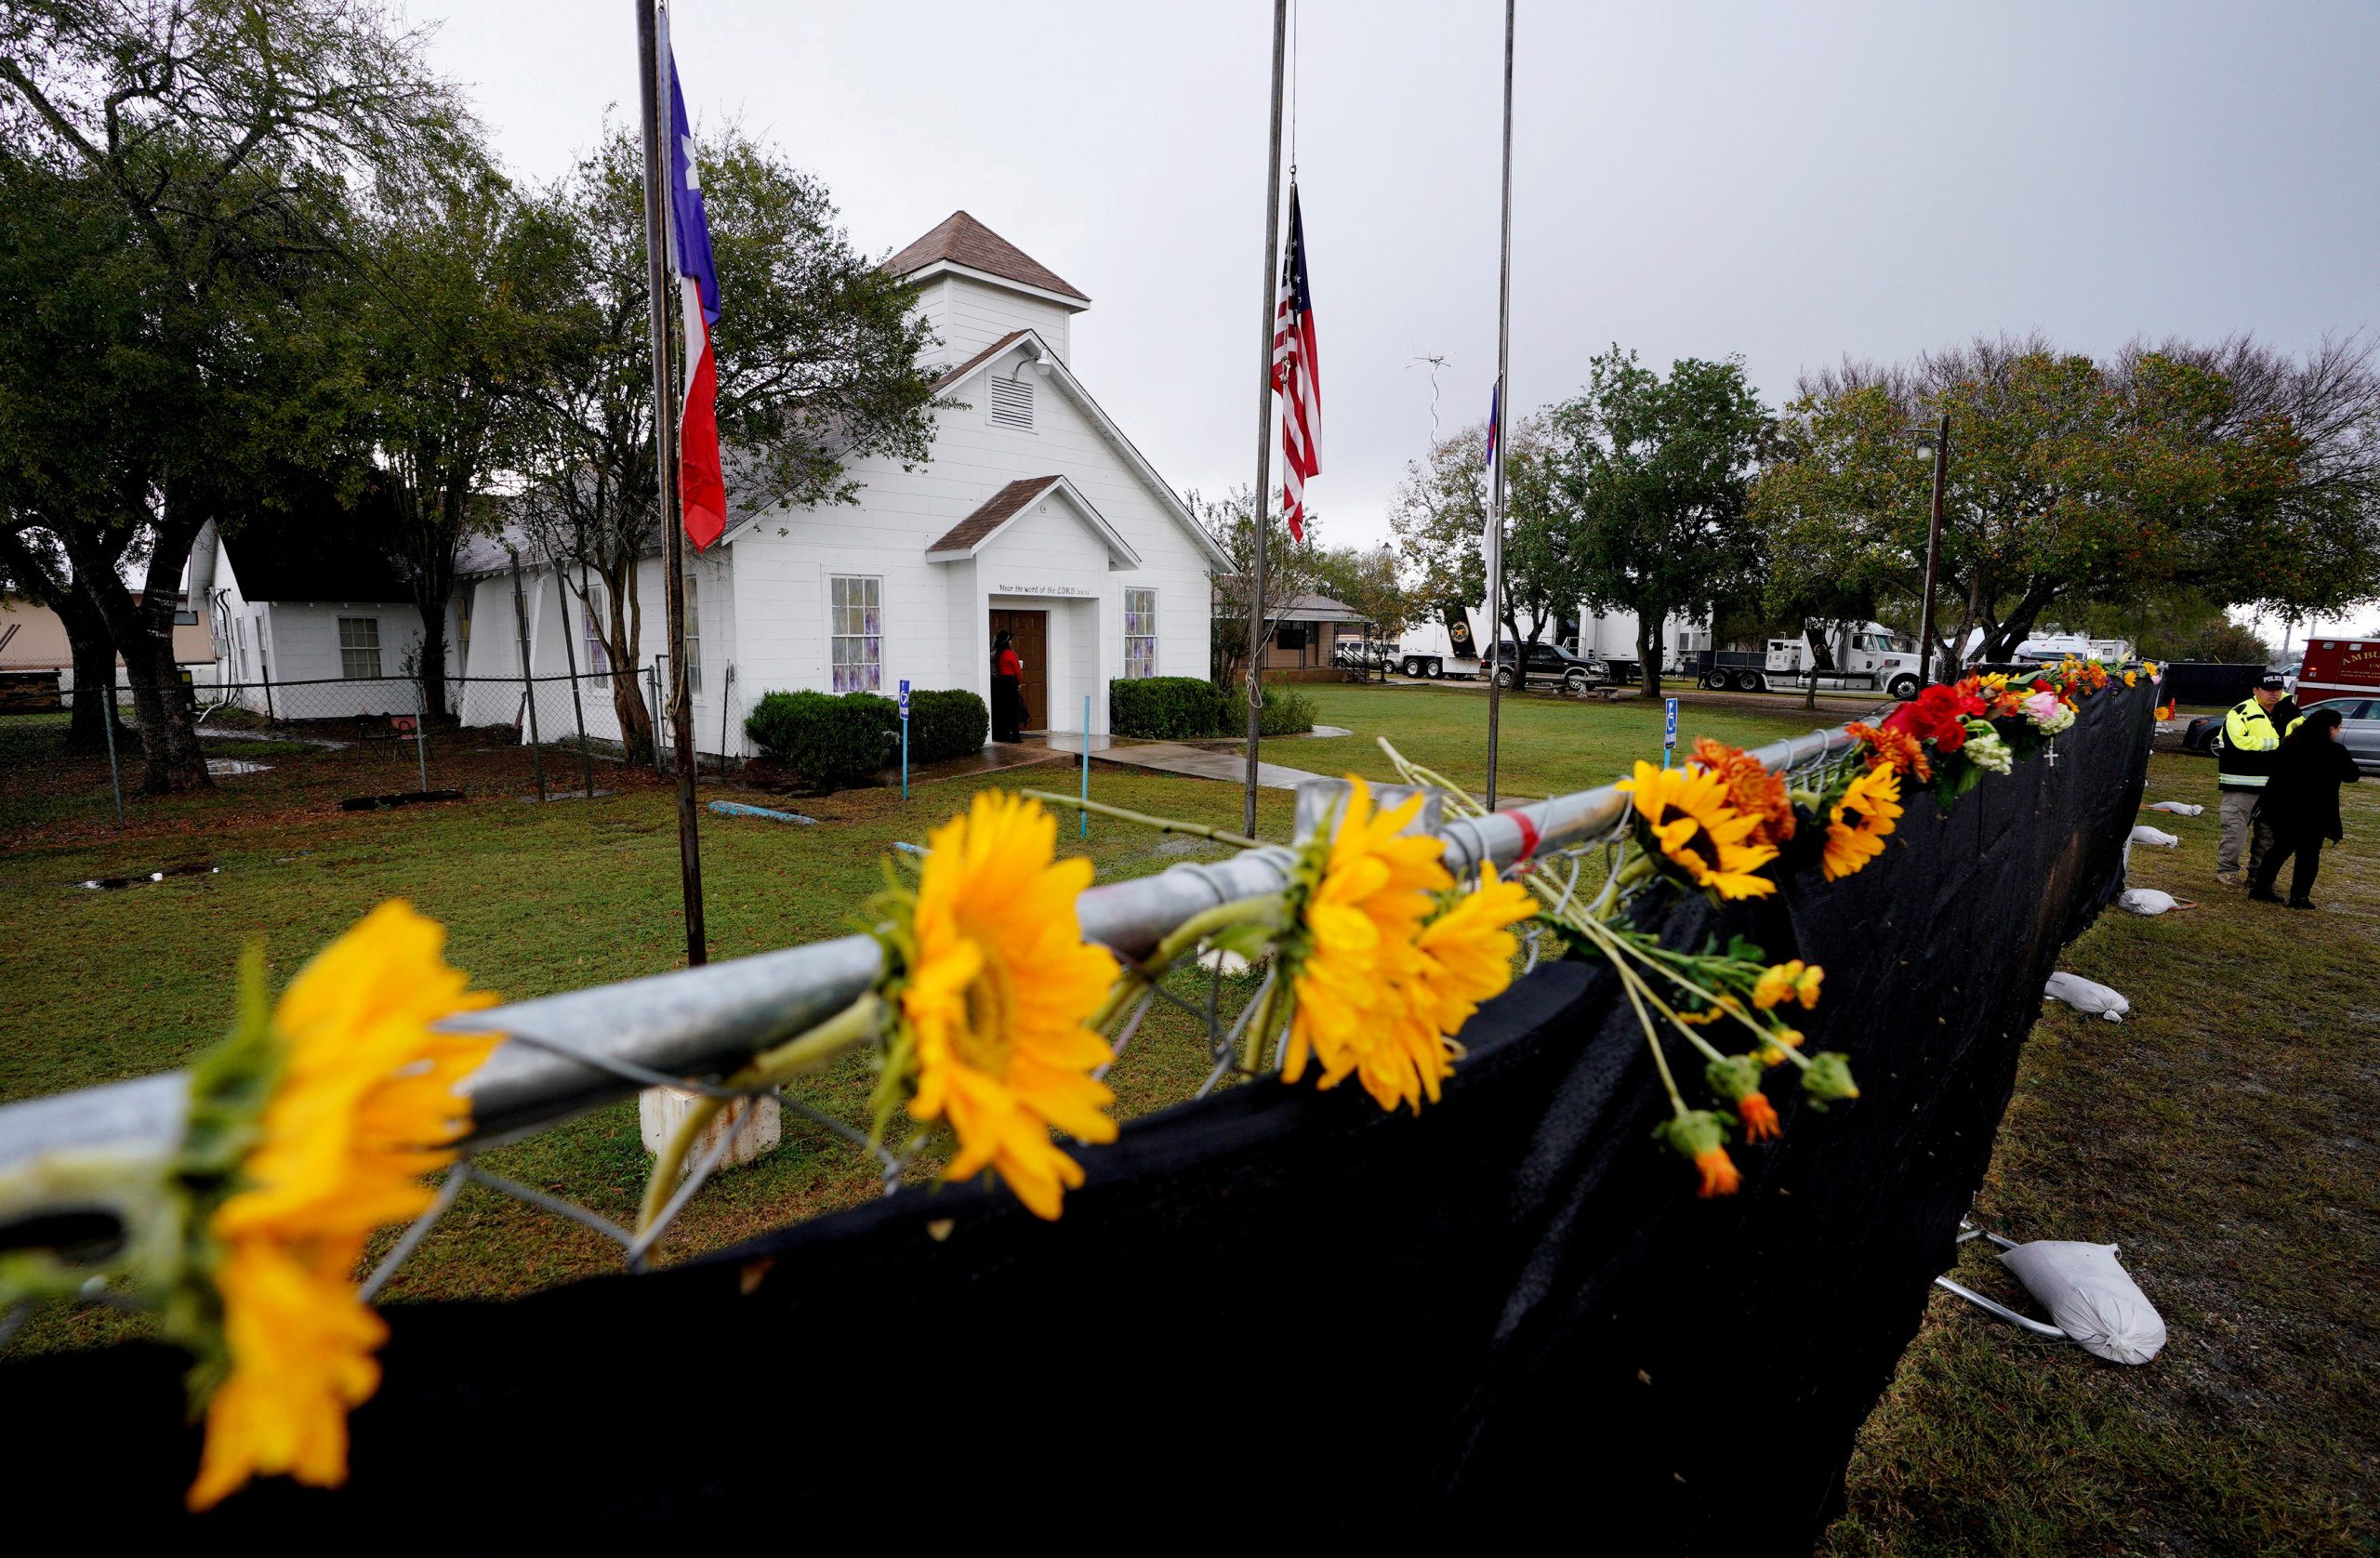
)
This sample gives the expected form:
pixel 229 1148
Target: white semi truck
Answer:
pixel 1843 657
pixel 1446 644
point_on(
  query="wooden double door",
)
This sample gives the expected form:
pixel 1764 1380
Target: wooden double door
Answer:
pixel 1031 631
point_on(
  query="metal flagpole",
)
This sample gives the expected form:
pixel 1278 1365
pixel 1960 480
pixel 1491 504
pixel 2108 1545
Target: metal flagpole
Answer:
pixel 1503 433
pixel 680 707
pixel 1264 504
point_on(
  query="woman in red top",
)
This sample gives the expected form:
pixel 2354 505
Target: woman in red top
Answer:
pixel 1008 694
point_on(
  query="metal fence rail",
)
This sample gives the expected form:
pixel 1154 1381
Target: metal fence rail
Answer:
pixel 567 1054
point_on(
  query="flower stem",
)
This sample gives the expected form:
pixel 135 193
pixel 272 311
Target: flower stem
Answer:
pixel 846 1030
pixel 1136 977
pixel 1163 824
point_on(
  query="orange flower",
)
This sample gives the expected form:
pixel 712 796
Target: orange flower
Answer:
pixel 1719 1174
pixel 1751 788
pixel 1759 1119
pixel 1790 1039
pixel 1894 749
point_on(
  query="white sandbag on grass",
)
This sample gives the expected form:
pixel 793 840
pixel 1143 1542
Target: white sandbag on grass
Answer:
pixel 2088 996
pixel 2090 1296
pixel 2178 808
pixel 2143 834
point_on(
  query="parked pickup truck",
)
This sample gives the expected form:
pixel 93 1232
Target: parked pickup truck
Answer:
pixel 1546 662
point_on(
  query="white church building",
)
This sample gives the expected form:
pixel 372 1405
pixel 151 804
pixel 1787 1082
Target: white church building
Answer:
pixel 1036 514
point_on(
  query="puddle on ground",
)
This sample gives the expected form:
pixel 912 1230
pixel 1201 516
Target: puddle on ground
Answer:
pixel 224 768
pixel 111 884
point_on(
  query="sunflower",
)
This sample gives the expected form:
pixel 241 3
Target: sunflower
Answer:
pixel 1751 788
pixel 1687 814
pixel 1462 958
pixel 363 1105
pixel 1857 823
pixel 1351 957
pixel 997 996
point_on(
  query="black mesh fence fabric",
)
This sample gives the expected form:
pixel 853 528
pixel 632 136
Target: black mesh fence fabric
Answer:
pixel 1272 1313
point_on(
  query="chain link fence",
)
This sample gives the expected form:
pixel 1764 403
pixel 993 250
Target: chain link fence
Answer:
pixel 373 740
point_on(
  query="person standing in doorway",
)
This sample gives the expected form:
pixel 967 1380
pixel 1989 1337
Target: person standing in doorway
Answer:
pixel 1007 689
pixel 2243 765
pixel 2300 806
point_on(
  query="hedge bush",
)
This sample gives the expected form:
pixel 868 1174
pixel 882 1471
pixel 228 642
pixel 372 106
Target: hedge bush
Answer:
pixel 1187 709
pixel 946 723
pixel 829 740
pixel 1286 713
pixel 1165 707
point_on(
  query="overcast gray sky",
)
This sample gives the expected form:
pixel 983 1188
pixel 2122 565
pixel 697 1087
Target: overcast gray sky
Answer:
pixel 1784 182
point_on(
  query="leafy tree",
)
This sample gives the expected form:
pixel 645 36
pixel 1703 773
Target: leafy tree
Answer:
pixel 471 296
pixel 1292 569
pixel 2070 483
pixel 817 356
pixel 182 178
pixel 1367 579
pixel 1440 519
pixel 1654 473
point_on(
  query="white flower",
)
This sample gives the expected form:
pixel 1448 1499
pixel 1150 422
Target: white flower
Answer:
pixel 1986 750
pixel 2049 713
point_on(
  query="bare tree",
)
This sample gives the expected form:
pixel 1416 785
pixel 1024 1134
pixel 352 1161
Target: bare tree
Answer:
pixel 1290 570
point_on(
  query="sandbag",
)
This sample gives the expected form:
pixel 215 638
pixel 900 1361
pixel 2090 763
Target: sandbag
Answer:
pixel 2146 900
pixel 2178 808
pixel 2087 996
pixel 2090 1296
pixel 2143 834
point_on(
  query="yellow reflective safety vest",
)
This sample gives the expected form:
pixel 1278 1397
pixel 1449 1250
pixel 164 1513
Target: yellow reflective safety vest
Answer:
pixel 2249 739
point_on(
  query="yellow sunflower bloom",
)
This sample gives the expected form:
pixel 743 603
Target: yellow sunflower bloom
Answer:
pixel 1856 824
pixel 1000 994
pixel 1351 964
pixel 1689 817
pixel 1795 980
pixel 1465 959
pixel 364 1105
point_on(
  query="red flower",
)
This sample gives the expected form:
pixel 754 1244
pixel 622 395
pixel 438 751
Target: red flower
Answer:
pixel 1937 715
pixel 1758 1117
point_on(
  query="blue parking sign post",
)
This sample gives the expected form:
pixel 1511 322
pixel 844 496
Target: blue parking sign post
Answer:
pixel 905 736
pixel 1669 731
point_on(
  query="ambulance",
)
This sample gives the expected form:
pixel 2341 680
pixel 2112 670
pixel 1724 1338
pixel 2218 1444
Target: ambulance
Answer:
pixel 2338 668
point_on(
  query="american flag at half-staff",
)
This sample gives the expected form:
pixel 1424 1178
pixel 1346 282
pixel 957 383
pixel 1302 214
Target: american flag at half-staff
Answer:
pixel 1297 375
pixel 702 487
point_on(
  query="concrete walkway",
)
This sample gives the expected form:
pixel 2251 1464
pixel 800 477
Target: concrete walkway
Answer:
pixel 1226 764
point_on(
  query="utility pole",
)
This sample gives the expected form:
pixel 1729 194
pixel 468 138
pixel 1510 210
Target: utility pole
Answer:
pixel 680 707
pixel 1933 554
pixel 1503 437
pixel 1264 504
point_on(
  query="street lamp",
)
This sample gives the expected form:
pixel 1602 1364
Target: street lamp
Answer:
pixel 1937 436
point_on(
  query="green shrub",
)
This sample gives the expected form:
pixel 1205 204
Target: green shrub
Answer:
pixel 1167 707
pixel 829 740
pixel 946 723
pixel 1286 713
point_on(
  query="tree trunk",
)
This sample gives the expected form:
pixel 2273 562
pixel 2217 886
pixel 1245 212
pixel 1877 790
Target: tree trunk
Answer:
pixel 143 631
pixel 1648 650
pixel 94 649
pixel 431 597
pixel 624 628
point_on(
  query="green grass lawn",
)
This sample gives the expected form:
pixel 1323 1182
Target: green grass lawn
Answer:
pixel 2223 1137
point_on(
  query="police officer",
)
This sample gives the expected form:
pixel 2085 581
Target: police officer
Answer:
pixel 2252 732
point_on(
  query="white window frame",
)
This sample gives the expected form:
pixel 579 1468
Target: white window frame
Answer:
pixel 346 666
pixel 868 668
pixel 693 644
pixel 598 659
pixel 1148 621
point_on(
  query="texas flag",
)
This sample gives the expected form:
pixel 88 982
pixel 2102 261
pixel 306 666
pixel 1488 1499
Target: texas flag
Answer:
pixel 702 490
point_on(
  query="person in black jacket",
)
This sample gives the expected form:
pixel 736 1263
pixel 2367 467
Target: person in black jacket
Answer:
pixel 2301 805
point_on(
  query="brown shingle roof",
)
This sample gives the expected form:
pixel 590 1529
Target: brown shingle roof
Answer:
pixel 964 241
pixel 954 375
pixel 1001 507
